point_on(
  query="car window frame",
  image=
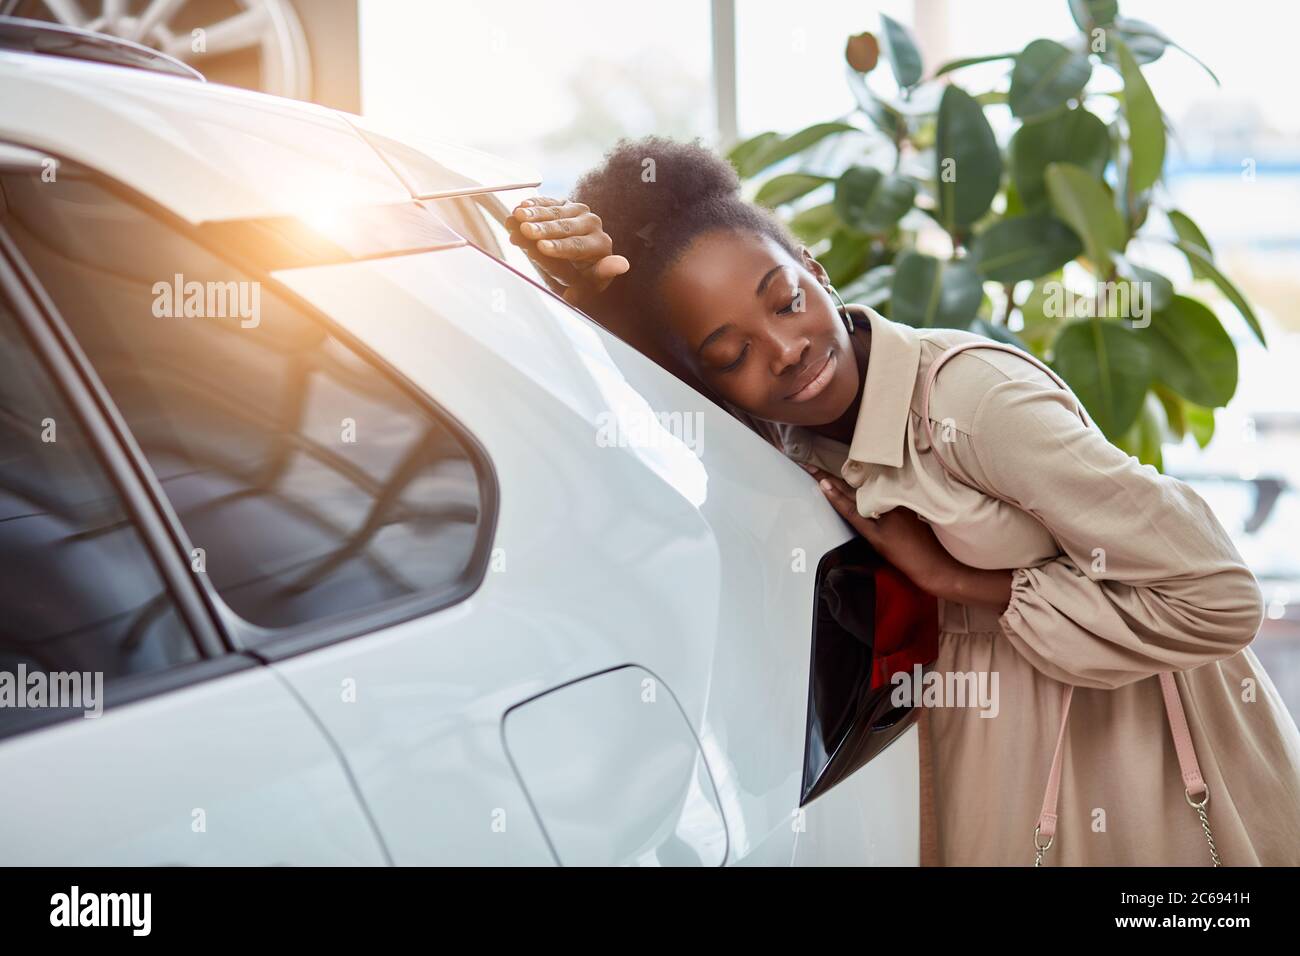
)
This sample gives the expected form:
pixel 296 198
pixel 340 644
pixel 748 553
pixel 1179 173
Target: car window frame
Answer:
pixel 215 659
pixel 239 635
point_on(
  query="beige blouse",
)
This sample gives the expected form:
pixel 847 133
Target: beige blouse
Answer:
pixel 1119 573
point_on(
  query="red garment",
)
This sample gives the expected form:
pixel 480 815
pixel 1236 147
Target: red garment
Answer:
pixel 907 625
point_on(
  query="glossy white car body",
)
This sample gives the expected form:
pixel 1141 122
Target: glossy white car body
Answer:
pixel 630 682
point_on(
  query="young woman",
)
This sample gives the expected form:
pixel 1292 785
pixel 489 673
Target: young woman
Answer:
pixel 1061 564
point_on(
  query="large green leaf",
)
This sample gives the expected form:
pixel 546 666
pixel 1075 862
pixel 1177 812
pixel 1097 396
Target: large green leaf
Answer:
pixel 883 116
pixel 1192 354
pixel 1147 44
pixel 788 187
pixel 1146 436
pixel 1153 292
pixel 1175 414
pixel 1039 318
pixel 1146 127
pixel 929 292
pixel 755 155
pixel 1047 75
pixel 1089 14
pixel 968 162
pixel 900 50
pixel 1190 233
pixel 872 288
pixel 815 223
pixel 1108 367
pixel 871 201
pixel 1073 136
pixel 846 258
pixel 1086 206
pixel 1024 248
pixel 1200 422
pixel 1196 255
pixel 744 155
pixel 961 64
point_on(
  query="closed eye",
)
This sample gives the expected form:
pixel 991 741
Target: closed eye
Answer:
pixel 736 364
pixel 789 308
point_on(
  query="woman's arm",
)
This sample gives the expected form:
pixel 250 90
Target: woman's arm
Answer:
pixel 1149 580
pixel 910 545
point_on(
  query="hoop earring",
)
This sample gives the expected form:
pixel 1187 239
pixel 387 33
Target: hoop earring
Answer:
pixel 842 308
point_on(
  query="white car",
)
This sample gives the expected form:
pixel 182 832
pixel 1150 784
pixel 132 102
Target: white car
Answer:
pixel 385 554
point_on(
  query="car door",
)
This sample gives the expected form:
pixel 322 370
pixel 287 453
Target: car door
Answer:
pixel 130 732
pixel 642 526
pixel 845 812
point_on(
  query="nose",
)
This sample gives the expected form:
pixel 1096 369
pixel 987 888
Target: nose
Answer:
pixel 788 348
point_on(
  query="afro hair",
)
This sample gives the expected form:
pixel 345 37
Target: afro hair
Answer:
pixel 655 196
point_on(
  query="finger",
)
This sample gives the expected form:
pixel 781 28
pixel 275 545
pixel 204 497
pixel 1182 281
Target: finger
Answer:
pixel 527 207
pixel 540 213
pixel 559 269
pixel 588 223
pixel 842 486
pixel 606 271
pixel 847 507
pixel 518 212
pixel 835 496
pixel 841 502
pixel 574 247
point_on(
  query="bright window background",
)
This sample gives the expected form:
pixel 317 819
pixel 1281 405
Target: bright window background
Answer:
pixel 552 85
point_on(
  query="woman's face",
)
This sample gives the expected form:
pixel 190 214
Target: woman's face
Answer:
pixel 758 327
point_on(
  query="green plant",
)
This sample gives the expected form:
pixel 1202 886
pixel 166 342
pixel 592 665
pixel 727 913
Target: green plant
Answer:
pixel 1066 186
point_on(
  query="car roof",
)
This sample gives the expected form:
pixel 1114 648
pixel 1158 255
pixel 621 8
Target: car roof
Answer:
pixel 209 153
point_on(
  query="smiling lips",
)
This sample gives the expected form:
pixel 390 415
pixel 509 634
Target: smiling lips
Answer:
pixel 821 377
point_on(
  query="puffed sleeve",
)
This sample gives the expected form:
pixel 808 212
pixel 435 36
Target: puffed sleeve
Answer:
pixel 1149 580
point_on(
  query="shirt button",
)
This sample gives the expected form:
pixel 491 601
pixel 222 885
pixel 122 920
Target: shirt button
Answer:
pixel 798 449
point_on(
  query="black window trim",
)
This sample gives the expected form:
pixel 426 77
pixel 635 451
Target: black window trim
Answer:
pixel 241 636
pixel 18 283
pixel 215 658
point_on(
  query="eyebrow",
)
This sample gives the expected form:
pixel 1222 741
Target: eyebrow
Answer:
pixel 723 329
pixel 713 337
pixel 762 283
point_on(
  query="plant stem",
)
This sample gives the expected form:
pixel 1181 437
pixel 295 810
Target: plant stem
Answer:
pixel 1010 289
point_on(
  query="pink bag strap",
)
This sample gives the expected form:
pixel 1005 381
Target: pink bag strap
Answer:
pixel 1193 782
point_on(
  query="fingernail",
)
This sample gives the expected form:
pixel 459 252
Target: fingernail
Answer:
pixel 826 484
pixel 546 244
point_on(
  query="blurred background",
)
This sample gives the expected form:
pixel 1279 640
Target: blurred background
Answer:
pixel 553 85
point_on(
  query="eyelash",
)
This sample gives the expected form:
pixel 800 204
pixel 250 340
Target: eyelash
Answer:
pixel 741 357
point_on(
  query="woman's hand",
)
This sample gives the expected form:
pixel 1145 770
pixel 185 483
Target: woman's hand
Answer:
pixel 910 545
pixel 566 241
pixel 901 538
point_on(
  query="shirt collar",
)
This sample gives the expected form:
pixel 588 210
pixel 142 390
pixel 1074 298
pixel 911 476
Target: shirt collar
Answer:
pixel 881 429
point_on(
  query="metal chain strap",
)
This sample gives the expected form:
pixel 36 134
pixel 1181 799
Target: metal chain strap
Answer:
pixel 1041 849
pixel 1205 823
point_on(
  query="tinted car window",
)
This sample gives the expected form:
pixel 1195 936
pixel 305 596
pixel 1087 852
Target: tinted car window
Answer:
pixel 310 484
pixel 79 591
